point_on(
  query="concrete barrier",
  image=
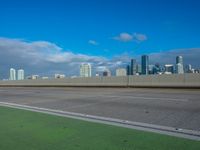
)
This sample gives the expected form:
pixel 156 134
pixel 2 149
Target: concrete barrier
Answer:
pixel 175 80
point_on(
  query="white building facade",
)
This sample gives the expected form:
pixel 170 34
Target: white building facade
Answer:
pixel 59 76
pixel 179 68
pixel 121 72
pixel 85 70
pixel 20 74
pixel 179 65
pixel 12 74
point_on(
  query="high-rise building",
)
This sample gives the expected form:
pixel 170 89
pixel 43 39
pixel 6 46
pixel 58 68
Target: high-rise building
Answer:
pixel 128 72
pixel 121 72
pixel 179 59
pixel 179 65
pixel 85 70
pixel 133 67
pixel 12 74
pixel 145 64
pixel 138 69
pixel 20 74
pixel 179 68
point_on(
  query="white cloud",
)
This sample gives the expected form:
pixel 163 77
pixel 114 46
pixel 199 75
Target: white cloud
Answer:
pixel 40 57
pixel 126 37
pixel 139 37
pixel 93 42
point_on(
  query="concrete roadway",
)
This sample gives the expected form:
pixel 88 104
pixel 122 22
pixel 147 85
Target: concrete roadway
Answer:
pixel 177 108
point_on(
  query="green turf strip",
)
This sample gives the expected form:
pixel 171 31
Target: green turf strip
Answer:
pixel 25 130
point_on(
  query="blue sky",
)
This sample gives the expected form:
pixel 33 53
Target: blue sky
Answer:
pixel 104 28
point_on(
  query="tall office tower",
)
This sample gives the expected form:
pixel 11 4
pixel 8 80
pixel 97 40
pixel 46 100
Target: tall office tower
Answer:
pixel 138 69
pixel 121 72
pixel 179 59
pixel 20 74
pixel 169 69
pixel 12 74
pixel 145 65
pixel 179 65
pixel 128 71
pixel 133 67
pixel 179 68
pixel 85 70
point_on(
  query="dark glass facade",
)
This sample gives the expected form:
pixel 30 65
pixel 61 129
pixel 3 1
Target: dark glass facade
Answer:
pixel 145 64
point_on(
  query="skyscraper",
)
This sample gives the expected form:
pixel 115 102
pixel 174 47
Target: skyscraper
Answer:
pixel 179 65
pixel 20 74
pixel 179 68
pixel 133 67
pixel 179 59
pixel 85 70
pixel 145 64
pixel 128 72
pixel 138 69
pixel 12 74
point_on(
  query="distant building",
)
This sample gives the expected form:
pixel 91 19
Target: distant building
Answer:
pixel 179 59
pixel 157 69
pixel 85 70
pixel 107 73
pixel 196 70
pixel 169 69
pixel 151 67
pixel 12 74
pixel 145 64
pixel 188 68
pixel 128 72
pixel 20 74
pixel 59 76
pixel 121 72
pixel 179 68
pixel 179 65
pixel 44 78
pixel 133 67
pixel 34 77
pixel 138 69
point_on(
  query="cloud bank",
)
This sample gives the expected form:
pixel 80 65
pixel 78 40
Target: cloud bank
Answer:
pixel 43 58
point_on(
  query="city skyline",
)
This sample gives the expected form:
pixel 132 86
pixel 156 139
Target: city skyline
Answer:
pixel 56 37
pixel 132 68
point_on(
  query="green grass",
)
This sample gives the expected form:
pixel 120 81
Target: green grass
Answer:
pixel 25 130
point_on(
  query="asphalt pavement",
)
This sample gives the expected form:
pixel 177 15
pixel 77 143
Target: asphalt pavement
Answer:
pixel 174 108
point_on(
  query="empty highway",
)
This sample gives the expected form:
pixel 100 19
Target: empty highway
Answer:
pixel 177 108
